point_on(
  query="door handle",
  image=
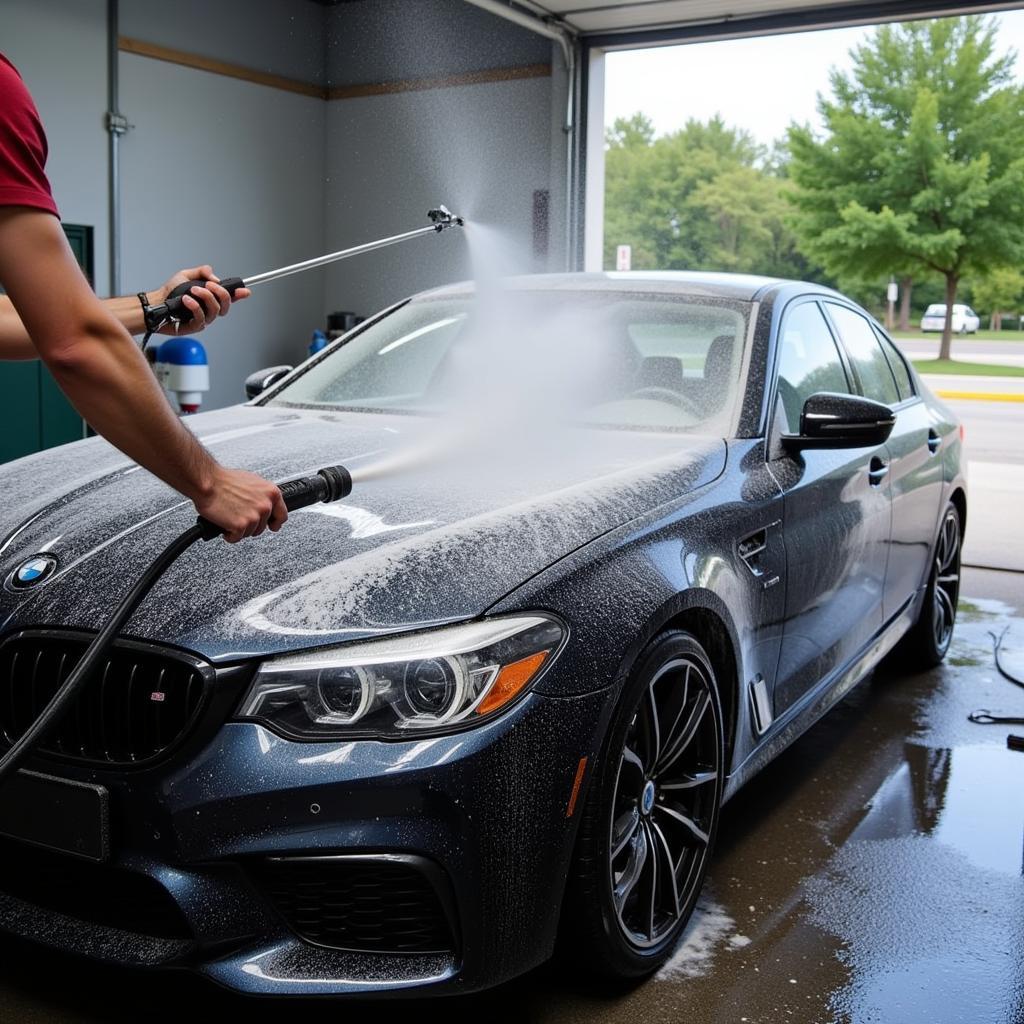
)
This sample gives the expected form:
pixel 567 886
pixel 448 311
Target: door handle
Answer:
pixel 877 470
pixel 934 441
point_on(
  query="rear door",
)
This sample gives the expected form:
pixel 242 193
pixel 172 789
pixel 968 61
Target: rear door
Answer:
pixel 835 516
pixel 915 466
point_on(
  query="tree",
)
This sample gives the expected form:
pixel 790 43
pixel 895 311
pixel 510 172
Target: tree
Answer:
pixel 998 293
pixel 922 162
pixel 698 198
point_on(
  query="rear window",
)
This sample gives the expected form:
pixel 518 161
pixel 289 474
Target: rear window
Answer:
pixel 899 367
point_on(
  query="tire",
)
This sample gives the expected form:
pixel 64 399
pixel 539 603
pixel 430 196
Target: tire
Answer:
pixel 650 818
pixel 927 643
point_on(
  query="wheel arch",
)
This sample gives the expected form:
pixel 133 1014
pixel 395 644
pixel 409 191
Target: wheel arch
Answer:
pixel 703 614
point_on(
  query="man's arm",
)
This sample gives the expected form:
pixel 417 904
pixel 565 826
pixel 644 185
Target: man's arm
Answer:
pixel 206 304
pixel 107 379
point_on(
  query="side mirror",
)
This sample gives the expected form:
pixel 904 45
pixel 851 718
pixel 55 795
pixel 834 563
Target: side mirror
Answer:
pixel 832 420
pixel 258 382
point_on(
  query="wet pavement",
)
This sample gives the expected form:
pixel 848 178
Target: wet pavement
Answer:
pixel 873 873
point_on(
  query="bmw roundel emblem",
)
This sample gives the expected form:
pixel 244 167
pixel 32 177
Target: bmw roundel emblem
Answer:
pixel 32 571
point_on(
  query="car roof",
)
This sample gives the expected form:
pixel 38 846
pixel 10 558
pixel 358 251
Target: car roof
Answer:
pixel 681 282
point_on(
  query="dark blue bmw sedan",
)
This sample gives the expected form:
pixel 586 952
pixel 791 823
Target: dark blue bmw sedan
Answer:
pixel 614 541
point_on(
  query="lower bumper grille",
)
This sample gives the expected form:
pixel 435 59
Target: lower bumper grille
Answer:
pixel 98 894
pixel 138 704
pixel 360 903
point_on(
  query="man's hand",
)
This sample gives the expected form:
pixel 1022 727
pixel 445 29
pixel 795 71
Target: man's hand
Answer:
pixel 242 504
pixel 205 304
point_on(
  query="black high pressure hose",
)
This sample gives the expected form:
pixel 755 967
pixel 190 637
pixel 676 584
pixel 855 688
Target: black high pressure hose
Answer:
pixel 329 484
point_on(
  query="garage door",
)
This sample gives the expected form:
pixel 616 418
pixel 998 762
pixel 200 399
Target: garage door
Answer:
pixel 650 22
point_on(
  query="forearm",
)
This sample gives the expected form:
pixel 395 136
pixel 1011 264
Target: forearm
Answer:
pixel 128 311
pixel 108 381
pixel 92 356
pixel 15 342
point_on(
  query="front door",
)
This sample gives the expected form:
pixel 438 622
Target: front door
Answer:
pixel 836 519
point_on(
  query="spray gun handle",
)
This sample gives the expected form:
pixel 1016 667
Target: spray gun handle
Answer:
pixel 330 484
pixel 174 308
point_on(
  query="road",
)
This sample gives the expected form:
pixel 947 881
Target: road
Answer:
pixel 872 873
pixel 995 472
pixel 1007 353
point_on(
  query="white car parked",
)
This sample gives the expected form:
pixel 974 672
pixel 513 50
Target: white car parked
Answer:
pixel 965 320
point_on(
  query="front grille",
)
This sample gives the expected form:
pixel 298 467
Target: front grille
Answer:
pixel 136 706
pixel 357 903
pixel 97 893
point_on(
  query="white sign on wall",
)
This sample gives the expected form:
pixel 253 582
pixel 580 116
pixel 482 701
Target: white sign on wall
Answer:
pixel 624 257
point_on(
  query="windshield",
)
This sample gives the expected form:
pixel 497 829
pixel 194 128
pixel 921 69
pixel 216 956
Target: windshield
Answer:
pixel 607 359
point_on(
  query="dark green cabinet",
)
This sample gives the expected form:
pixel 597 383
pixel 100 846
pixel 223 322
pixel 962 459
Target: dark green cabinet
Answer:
pixel 34 414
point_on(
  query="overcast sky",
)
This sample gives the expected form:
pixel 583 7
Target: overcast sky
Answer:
pixel 757 84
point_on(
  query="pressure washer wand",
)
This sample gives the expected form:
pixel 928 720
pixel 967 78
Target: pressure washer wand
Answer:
pixel 173 309
pixel 330 484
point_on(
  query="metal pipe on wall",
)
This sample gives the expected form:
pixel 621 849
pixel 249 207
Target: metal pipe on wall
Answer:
pixel 568 43
pixel 115 129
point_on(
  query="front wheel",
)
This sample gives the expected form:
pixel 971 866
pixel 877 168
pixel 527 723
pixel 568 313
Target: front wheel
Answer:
pixel 650 818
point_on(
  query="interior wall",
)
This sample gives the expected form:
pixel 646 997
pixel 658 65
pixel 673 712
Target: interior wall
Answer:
pixel 249 177
pixel 60 48
pixel 240 186
pixel 481 150
pixel 280 37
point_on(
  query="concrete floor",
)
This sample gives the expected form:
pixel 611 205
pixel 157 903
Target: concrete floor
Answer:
pixel 871 874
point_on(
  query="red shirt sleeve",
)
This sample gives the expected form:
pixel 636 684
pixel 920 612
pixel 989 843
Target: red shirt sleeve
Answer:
pixel 22 146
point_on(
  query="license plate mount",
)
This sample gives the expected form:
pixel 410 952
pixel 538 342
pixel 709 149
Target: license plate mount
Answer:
pixel 58 814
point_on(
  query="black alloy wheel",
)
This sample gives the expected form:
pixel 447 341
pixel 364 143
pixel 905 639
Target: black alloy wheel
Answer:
pixel 945 583
pixel 651 816
pixel 928 641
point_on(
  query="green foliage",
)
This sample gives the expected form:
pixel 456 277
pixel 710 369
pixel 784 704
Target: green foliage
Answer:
pixel 1000 291
pixel 921 167
pixel 697 199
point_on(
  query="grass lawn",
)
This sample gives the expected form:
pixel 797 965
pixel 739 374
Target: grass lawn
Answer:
pixel 958 367
pixel 962 339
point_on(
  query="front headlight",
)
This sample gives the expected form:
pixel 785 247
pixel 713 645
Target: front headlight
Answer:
pixel 442 680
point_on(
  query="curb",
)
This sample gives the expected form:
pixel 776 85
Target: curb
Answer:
pixel 982 396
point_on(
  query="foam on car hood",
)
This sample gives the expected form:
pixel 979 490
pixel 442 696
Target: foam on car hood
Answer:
pixel 400 553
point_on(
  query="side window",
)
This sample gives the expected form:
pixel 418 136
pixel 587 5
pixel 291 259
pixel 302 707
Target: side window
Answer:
pixel 808 362
pixel 866 354
pixel 899 367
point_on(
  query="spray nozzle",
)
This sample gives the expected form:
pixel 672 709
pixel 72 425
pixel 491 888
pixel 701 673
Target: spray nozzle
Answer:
pixel 443 218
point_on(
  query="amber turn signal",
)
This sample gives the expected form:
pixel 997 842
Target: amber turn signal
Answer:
pixel 511 679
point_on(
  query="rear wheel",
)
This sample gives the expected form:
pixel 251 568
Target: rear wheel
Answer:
pixel 928 641
pixel 650 819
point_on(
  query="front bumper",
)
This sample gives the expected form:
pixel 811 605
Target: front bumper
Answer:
pixel 483 815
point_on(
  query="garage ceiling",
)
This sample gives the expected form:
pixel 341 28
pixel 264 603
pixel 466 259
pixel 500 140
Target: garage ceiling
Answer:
pixel 659 19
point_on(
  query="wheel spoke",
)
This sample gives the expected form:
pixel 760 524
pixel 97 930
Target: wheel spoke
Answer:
pixel 653 862
pixel 682 704
pixel 653 729
pixel 686 734
pixel 632 871
pixel 661 845
pixel 691 781
pixel 951 578
pixel 944 616
pixel 623 830
pixel 688 823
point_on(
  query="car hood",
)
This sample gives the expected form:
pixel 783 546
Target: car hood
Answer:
pixel 401 552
